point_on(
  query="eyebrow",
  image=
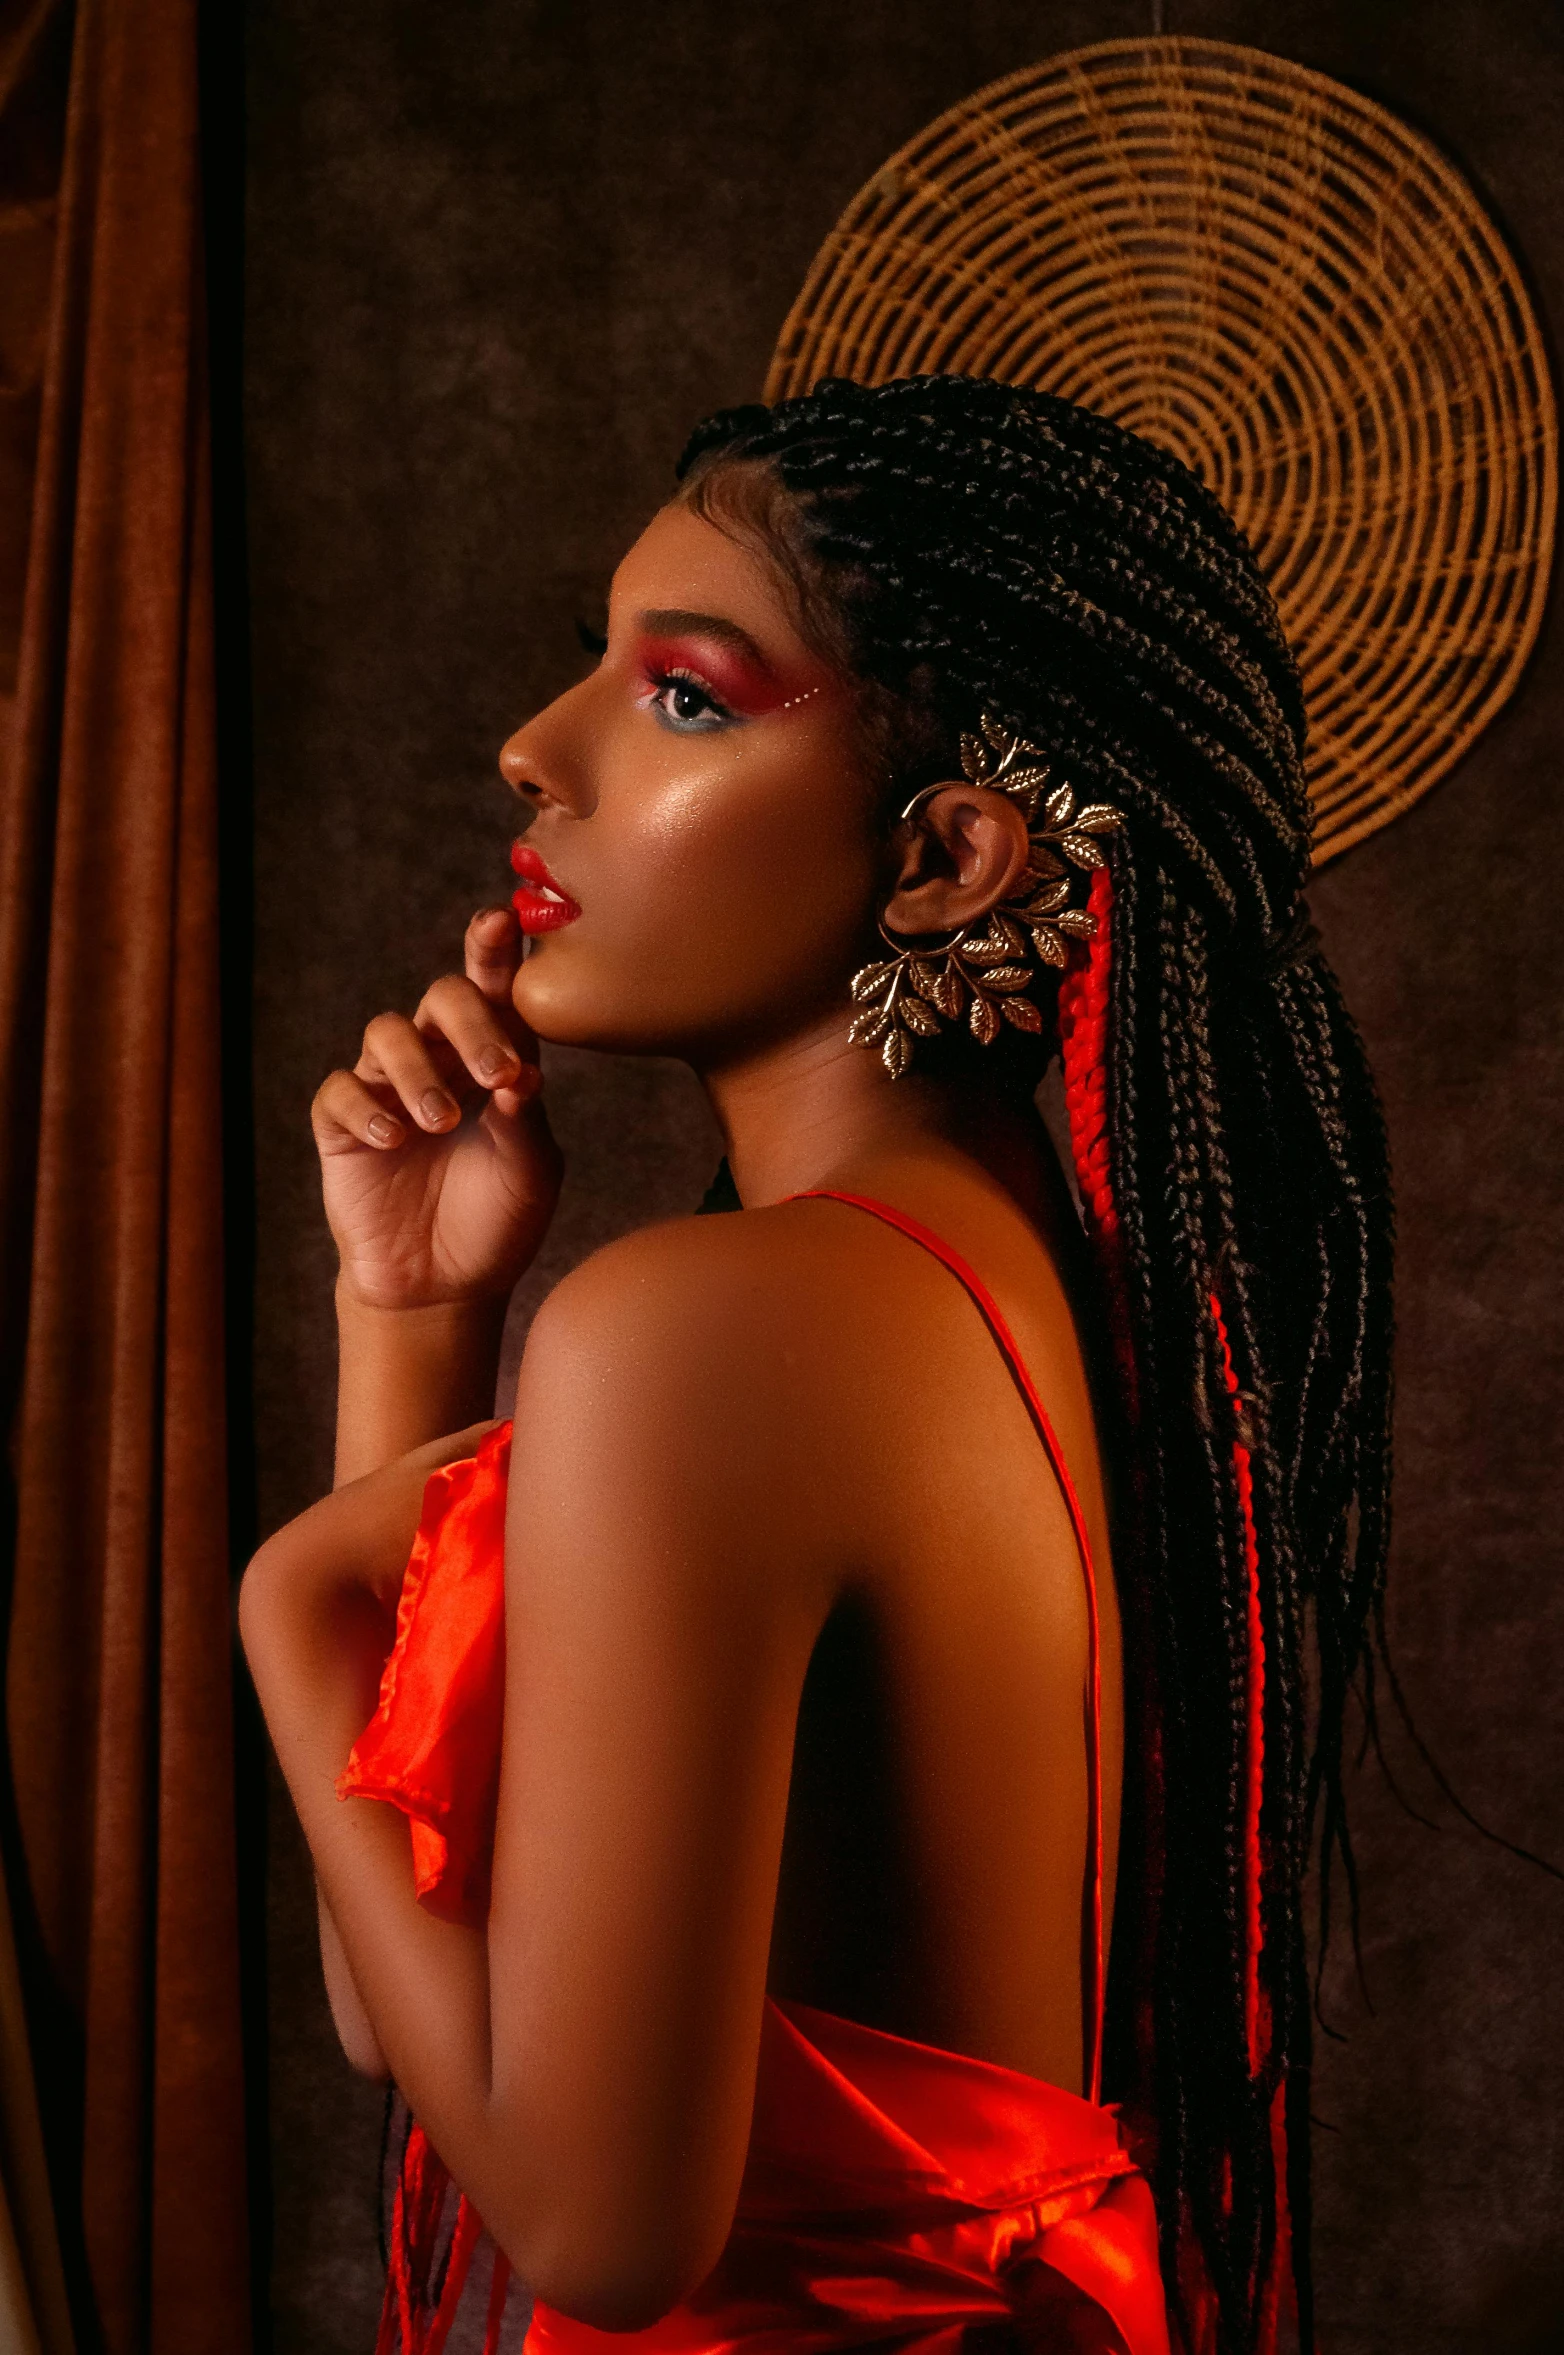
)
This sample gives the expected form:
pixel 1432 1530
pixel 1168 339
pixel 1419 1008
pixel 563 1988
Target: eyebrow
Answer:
pixel 674 622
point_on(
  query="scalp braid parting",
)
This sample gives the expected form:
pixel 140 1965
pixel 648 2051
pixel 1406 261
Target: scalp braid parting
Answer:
pixel 961 546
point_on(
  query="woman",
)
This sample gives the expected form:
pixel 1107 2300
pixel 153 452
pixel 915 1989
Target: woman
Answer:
pixel 783 2023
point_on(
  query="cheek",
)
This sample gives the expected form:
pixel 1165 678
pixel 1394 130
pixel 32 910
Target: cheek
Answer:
pixel 735 891
pixel 762 855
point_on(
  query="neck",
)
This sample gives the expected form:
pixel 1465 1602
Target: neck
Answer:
pixel 815 1111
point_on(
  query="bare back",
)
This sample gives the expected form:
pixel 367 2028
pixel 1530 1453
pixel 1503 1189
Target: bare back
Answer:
pixel 935 1856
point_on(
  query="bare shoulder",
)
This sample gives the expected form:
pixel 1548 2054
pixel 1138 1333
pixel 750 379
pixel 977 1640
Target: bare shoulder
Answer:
pixel 695 1289
pixel 703 1353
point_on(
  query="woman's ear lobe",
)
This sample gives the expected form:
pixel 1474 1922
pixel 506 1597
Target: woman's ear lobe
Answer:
pixel 962 851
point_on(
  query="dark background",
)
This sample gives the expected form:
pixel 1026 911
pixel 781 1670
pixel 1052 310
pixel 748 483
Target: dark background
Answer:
pixel 500 257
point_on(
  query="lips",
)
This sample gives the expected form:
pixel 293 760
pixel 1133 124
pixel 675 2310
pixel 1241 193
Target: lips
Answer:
pixel 540 904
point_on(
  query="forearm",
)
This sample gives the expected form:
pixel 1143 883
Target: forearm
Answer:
pixel 409 1375
pixel 317 1613
pixel 355 2029
pixel 419 1985
pixel 315 1647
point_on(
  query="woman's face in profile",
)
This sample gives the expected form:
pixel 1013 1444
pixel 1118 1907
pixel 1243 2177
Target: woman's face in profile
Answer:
pixel 702 812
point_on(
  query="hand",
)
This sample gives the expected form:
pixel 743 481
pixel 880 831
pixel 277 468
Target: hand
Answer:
pixel 439 1170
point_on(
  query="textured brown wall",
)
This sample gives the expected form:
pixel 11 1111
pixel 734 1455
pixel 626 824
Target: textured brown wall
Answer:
pixel 501 256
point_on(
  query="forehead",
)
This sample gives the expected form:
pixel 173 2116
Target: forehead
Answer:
pixel 682 562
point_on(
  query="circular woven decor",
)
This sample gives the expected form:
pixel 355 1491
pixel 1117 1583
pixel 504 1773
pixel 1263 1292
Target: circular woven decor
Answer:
pixel 1279 281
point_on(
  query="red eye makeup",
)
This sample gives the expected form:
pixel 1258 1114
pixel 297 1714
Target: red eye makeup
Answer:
pixel 739 685
pixel 722 658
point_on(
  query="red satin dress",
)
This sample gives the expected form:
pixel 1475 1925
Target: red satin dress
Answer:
pixel 896 2196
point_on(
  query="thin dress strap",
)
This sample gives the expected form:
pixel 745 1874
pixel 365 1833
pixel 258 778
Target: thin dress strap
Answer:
pixel 989 1306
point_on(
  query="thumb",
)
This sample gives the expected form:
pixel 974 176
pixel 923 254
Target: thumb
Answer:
pixel 512 1101
pixel 517 1123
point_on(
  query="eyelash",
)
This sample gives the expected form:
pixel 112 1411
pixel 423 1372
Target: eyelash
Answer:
pixel 662 681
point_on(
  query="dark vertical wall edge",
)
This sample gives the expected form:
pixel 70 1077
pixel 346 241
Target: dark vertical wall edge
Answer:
pixel 223 162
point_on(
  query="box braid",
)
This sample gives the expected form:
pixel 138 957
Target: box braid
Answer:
pixel 961 546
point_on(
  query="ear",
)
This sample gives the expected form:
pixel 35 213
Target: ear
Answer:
pixel 962 851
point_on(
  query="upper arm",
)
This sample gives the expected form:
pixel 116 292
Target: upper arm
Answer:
pixel 658 1624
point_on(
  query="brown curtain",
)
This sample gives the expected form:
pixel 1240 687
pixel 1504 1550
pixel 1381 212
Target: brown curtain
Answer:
pixel 117 1685
pixel 34 2311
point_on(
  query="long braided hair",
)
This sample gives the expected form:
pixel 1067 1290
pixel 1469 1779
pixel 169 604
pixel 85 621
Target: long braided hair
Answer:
pixel 961 546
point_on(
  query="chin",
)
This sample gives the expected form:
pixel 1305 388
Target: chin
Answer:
pixel 645 1002
pixel 562 1000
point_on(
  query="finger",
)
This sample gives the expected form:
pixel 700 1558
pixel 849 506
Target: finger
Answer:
pixel 396 1052
pixel 492 956
pixel 492 952
pixel 455 1010
pixel 347 1113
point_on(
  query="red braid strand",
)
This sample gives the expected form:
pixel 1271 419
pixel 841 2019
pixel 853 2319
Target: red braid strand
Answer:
pixel 1254 1716
pixel 1257 2022
pixel 1084 1011
pixel 1083 1040
pixel 1085 1006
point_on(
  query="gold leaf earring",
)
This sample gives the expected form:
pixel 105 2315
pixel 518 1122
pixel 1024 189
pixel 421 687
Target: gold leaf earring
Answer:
pixel 982 971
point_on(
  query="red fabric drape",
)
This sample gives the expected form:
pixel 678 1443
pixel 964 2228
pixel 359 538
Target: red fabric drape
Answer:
pixel 118 1691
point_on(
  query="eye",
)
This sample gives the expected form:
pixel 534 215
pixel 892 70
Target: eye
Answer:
pixel 684 705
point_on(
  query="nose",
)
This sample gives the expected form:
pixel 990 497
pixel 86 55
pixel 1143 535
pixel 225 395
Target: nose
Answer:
pixel 520 770
pixel 541 761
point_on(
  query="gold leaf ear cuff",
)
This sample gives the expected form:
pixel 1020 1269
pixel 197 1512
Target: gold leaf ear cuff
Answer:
pixel 984 970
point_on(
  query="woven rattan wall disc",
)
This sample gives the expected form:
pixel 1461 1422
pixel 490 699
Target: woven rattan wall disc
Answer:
pixel 1299 295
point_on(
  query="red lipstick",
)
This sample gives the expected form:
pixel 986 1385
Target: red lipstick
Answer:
pixel 540 904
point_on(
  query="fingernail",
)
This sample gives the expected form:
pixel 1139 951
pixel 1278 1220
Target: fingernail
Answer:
pixel 382 1128
pixel 494 1060
pixel 436 1106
